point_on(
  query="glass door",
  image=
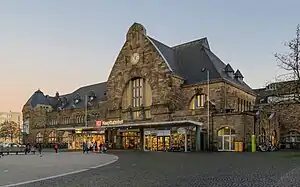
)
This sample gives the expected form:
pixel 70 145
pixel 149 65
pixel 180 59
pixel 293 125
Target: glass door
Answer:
pixel 226 143
pixel 167 142
pixel 160 143
pixel 154 143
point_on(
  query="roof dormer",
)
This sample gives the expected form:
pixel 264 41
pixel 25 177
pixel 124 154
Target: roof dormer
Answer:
pixel 238 75
pixel 92 96
pixel 77 99
pixel 229 70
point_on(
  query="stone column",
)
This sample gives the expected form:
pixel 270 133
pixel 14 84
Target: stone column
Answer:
pixel 142 139
pixel 198 138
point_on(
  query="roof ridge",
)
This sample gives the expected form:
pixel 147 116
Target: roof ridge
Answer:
pixel 87 86
pixel 189 43
pixel 159 41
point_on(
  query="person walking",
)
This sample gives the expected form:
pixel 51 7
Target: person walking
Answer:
pixel 87 147
pixel 40 149
pixel 83 147
pixel 56 148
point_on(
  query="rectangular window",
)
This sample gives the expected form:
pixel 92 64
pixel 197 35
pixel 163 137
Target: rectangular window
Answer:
pixel 238 104
pixel 137 90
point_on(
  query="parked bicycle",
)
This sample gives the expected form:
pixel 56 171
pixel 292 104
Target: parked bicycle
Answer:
pixel 267 147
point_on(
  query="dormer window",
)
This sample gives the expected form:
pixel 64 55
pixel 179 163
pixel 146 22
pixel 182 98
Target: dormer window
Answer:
pixel 229 71
pixel 238 75
pixel 92 96
pixel 271 87
pixel 77 99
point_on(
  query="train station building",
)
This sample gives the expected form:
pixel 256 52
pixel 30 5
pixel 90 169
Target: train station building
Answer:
pixel 156 98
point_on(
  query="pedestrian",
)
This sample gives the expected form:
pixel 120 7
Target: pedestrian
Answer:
pixel 96 146
pixel 56 148
pixel 100 147
pixel 87 147
pixel 83 147
pixel 40 149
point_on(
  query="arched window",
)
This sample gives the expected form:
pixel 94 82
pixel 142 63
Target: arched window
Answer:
pixel 137 94
pixel 39 138
pixel 52 137
pixel 226 139
pixel 65 137
pixel 198 101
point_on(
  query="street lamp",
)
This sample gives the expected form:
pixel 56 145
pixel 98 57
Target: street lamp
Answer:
pixel 208 102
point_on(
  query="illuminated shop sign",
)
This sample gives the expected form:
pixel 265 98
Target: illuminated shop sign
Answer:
pixel 78 131
pixel 98 123
pixel 94 132
pixel 158 132
pixel 112 122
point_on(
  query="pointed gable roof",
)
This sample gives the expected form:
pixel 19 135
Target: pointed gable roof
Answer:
pixel 228 68
pixel 238 74
pixel 38 98
pixel 188 59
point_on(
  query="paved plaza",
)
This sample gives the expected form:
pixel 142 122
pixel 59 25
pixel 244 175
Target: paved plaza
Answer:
pixel 139 169
pixel 16 169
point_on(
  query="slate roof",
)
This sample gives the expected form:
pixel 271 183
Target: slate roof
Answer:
pixel 97 90
pixel 38 97
pixel 189 59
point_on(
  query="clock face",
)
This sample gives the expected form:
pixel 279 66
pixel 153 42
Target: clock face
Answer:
pixel 135 58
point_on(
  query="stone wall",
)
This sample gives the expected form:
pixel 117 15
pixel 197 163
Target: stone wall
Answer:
pixel 242 123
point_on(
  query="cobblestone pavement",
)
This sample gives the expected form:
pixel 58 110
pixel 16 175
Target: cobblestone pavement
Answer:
pixel 20 168
pixel 138 169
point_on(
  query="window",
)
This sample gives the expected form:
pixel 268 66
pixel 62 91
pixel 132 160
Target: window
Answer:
pixel 39 138
pixel 52 137
pixel 137 92
pixel 292 137
pixel 198 101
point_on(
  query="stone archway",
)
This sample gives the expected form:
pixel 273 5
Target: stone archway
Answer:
pixel 226 137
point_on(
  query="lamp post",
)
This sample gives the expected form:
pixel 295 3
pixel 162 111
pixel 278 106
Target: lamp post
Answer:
pixel 208 103
pixel 86 108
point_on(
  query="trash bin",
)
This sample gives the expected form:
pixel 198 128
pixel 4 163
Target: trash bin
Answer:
pixel 241 147
pixel 236 146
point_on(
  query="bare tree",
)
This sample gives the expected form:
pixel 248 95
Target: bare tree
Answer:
pixel 287 87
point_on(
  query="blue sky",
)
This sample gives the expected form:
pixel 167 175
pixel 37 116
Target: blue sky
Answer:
pixel 60 45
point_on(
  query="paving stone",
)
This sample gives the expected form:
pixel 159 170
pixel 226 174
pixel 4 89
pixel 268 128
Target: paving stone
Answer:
pixel 136 169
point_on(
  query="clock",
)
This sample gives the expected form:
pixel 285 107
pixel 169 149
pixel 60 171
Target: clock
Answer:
pixel 135 58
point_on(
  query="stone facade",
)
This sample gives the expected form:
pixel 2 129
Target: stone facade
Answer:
pixel 171 95
pixel 279 114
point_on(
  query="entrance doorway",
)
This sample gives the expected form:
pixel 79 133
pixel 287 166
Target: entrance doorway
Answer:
pixel 157 143
pixel 226 139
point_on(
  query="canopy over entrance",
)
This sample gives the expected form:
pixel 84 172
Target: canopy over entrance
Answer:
pixel 107 125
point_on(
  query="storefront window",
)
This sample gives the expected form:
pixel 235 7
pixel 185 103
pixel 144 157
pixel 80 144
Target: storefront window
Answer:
pixel 52 137
pixel 130 140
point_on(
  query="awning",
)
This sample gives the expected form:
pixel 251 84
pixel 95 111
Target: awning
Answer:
pixel 157 124
pixel 138 125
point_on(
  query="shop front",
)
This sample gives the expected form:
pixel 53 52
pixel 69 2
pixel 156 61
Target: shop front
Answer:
pixel 79 135
pixel 156 136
